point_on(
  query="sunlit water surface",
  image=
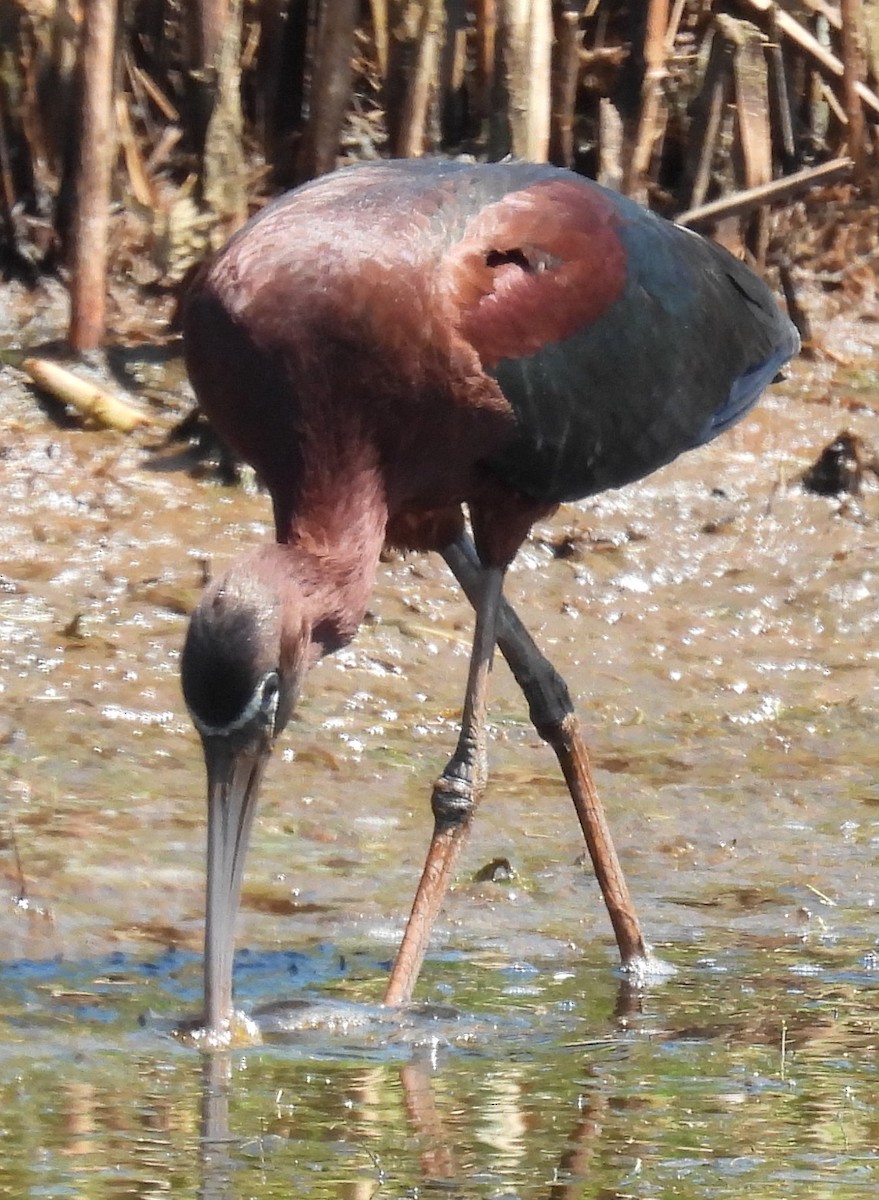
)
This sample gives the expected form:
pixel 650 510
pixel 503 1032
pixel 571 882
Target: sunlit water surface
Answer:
pixel 720 628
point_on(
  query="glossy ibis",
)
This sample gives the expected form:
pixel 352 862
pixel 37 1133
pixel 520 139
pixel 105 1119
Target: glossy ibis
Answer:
pixel 394 341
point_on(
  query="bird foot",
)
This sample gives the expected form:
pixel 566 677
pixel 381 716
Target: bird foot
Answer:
pixel 647 969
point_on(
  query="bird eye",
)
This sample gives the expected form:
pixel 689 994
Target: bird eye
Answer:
pixel 271 692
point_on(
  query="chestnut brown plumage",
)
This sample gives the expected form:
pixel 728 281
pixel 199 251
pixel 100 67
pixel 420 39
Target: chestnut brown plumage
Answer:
pixel 397 340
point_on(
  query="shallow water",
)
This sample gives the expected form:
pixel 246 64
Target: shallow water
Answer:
pixel 720 628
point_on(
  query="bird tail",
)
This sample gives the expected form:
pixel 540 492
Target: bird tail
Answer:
pixel 747 389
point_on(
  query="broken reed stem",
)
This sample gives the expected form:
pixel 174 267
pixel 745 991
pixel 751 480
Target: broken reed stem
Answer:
pixel 784 189
pixel 88 399
pixel 826 61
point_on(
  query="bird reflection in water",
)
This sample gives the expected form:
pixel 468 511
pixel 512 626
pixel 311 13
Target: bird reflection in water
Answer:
pixel 501 1122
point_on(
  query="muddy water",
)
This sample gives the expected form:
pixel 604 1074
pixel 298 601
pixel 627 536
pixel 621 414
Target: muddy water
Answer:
pixel 720 628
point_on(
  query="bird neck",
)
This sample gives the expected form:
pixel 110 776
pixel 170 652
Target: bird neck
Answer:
pixel 330 532
pixel 324 582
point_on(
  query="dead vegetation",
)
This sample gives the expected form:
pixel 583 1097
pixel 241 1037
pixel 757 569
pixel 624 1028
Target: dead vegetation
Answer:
pixel 148 147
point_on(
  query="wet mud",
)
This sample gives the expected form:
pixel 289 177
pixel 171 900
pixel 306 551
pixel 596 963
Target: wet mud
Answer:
pixel 719 626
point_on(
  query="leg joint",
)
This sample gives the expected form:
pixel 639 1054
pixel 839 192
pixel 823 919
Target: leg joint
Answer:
pixel 557 728
pixel 549 704
pixel 452 800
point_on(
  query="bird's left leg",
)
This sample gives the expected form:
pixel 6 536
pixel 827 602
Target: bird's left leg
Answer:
pixel 455 794
pixel 552 713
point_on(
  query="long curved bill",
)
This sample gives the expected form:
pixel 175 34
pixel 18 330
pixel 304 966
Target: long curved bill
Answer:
pixel 234 776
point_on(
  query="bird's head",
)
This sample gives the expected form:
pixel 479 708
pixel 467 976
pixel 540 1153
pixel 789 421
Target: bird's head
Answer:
pixel 241 668
pixel 243 659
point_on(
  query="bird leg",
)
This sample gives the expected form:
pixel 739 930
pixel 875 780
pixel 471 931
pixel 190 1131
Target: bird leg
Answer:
pixel 455 794
pixel 552 714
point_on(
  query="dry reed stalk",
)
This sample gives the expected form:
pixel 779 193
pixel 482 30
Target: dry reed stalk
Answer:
pixel 90 221
pixel 139 180
pixel 223 166
pixel 854 63
pixel 423 81
pixel 332 73
pixel 380 37
pixel 565 77
pixel 651 119
pixel 486 40
pixel 526 33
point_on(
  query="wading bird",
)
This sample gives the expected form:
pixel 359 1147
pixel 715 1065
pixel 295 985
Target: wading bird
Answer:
pixel 387 344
